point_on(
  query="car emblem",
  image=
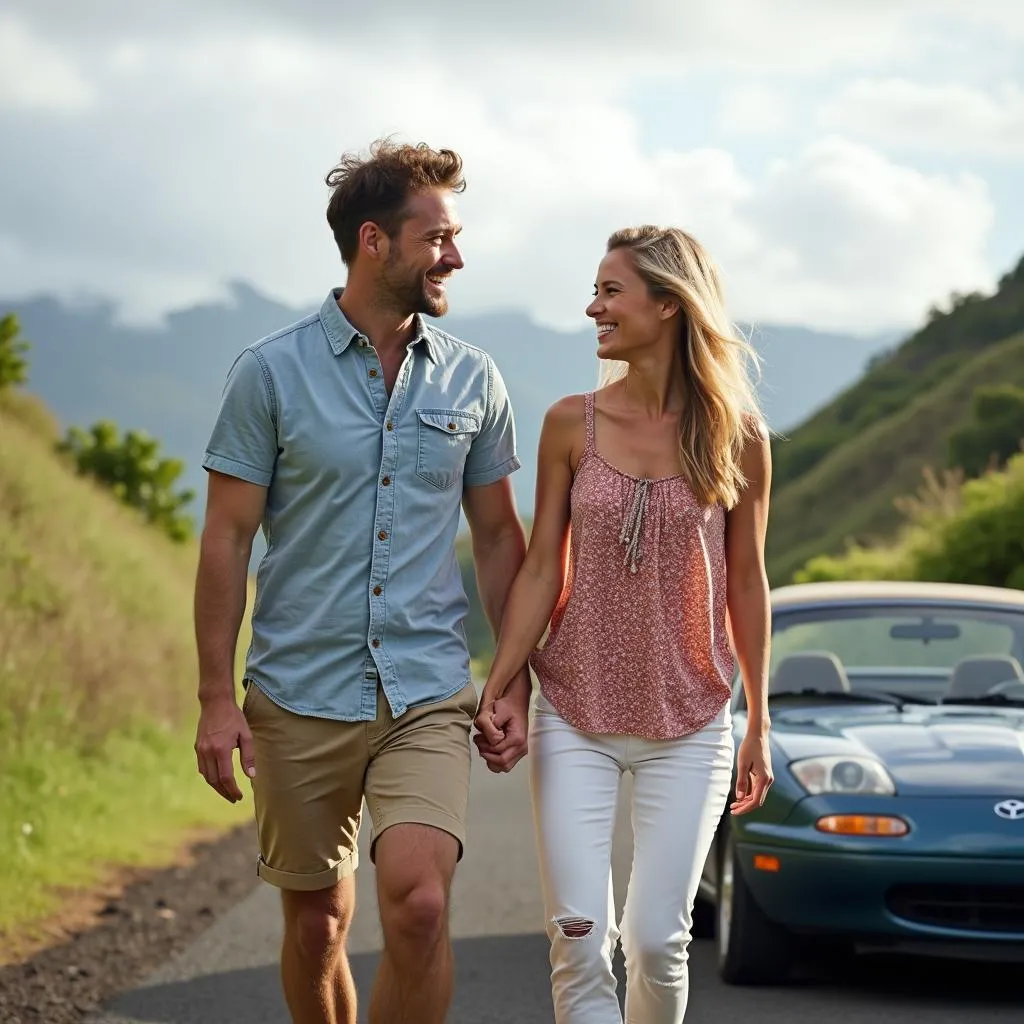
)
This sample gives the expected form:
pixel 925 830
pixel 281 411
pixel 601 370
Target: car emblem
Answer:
pixel 1012 809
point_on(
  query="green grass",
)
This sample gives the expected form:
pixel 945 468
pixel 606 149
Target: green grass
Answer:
pixel 849 495
pixel 956 531
pixel 97 672
pixel 68 817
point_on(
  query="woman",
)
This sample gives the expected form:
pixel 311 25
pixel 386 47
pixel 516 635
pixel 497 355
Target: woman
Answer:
pixel 661 480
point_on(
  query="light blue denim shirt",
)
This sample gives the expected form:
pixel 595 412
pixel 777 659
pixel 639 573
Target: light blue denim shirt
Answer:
pixel 360 579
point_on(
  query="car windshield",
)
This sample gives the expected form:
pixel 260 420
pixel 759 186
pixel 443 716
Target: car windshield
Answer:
pixel 930 652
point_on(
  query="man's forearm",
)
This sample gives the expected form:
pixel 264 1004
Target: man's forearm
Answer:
pixel 497 564
pixel 219 607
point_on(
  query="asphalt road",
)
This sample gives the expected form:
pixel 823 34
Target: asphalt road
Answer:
pixel 230 975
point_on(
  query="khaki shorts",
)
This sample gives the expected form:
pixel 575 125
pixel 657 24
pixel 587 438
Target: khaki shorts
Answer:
pixel 312 775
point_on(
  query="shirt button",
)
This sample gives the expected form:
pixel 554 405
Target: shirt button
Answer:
pixel 390 425
pixel 373 373
pixel 382 535
pixel 376 643
pixel 451 426
pixel 376 591
pixel 386 481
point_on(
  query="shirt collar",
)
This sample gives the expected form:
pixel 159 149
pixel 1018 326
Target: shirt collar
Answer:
pixel 341 333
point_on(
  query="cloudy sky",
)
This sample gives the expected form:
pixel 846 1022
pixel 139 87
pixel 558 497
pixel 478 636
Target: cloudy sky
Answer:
pixel 848 162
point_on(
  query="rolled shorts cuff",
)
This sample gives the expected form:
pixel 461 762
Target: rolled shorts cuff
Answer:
pixel 418 816
pixel 302 882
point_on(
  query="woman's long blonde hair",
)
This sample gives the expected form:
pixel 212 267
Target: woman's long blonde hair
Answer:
pixel 720 406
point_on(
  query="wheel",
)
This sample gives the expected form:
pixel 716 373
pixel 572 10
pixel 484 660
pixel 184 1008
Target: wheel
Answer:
pixel 751 949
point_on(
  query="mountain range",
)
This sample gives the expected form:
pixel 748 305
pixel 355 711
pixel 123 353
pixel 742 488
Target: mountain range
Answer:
pixel 856 419
pixel 166 379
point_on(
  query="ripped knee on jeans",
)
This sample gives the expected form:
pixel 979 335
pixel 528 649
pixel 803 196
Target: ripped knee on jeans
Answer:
pixel 574 927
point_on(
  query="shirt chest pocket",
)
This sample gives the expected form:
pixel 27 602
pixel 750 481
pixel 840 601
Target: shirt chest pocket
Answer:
pixel 445 437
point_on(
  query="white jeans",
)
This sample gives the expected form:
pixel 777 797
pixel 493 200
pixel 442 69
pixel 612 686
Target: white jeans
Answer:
pixel 680 788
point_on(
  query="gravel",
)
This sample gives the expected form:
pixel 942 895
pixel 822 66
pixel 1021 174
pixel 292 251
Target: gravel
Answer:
pixel 104 946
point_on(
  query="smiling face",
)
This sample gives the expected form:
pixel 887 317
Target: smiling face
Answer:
pixel 629 318
pixel 423 255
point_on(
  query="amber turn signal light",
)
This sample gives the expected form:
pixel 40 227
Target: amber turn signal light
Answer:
pixel 862 825
pixel 763 862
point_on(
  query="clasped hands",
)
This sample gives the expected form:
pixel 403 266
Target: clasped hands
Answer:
pixel 502 725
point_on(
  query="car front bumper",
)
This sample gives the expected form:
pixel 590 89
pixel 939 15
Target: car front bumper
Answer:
pixel 961 893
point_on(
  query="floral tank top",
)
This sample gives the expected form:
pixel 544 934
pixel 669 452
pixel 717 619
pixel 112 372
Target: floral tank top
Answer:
pixel 638 642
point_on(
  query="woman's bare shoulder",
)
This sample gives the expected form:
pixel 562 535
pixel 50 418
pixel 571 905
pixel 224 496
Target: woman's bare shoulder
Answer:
pixel 756 458
pixel 564 435
pixel 567 413
pixel 756 429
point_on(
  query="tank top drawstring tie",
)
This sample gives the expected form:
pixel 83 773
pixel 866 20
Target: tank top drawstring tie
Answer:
pixel 632 532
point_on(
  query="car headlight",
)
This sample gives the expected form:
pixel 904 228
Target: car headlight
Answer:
pixel 843 775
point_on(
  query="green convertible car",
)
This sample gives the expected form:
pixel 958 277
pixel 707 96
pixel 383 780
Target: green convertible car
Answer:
pixel 896 820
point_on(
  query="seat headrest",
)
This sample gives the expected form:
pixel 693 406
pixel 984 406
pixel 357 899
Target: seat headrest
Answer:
pixel 976 675
pixel 810 670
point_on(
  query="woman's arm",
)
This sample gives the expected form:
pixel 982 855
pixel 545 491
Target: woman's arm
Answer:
pixel 541 577
pixel 750 618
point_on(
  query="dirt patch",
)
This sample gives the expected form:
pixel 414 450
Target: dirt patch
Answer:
pixel 105 941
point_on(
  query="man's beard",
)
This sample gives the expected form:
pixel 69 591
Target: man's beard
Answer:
pixel 406 293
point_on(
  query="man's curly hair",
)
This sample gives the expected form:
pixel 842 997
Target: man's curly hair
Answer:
pixel 376 188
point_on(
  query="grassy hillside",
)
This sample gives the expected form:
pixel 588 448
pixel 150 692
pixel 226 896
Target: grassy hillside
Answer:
pixel 97 672
pixel 837 475
pixel 849 494
pixel 936 352
pixel 952 531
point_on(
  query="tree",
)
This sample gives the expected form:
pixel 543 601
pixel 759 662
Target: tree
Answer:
pixel 135 471
pixel 995 432
pixel 13 367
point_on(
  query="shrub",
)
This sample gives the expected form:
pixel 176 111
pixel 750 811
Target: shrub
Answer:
pixel 984 541
pixel 13 365
pixel 132 467
pixel 954 532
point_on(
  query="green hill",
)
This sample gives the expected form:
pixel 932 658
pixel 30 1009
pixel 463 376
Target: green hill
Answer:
pixel 97 671
pixel 952 532
pixel 838 474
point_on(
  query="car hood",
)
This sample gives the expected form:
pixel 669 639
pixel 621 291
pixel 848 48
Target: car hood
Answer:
pixel 926 750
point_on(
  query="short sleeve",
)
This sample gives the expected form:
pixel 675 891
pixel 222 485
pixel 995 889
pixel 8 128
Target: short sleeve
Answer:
pixel 493 452
pixel 243 442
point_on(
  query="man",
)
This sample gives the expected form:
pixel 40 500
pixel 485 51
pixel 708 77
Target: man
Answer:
pixel 353 437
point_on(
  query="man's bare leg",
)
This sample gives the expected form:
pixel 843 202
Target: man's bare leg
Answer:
pixel 315 975
pixel 415 865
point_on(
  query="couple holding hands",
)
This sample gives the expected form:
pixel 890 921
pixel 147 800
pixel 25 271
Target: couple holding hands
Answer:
pixel 354 438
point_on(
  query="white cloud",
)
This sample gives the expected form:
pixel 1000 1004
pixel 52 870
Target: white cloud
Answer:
pixel 537 244
pixel 201 160
pixel 948 118
pixel 224 178
pixel 751 109
pixel 784 36
pixel 853 238
pixel 37 76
